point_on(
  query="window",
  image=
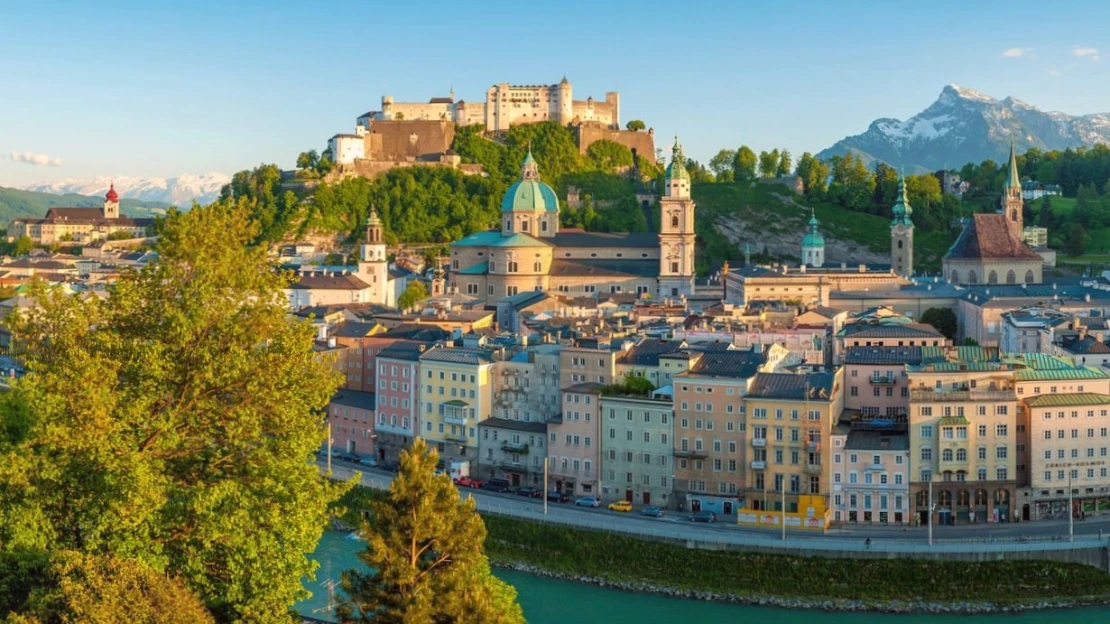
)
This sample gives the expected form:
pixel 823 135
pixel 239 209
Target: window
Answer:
pixel 1000 453
pixel 1000 430
pixel 926 430
pixel 926 453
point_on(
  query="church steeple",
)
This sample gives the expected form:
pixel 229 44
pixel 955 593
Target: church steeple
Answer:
pixel 676 230
pixel 901 233
pixel 1012 177
pixel 1011 200
pixel 813 244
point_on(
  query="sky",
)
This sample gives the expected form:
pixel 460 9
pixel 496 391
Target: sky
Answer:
pixel 158 89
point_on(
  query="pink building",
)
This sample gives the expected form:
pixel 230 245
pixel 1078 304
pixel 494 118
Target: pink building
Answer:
pixel 351 417
pixel 870 473
pixel 875 379
pixel 574 442
pixel 397 366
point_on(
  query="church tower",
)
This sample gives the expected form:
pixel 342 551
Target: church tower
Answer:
pixel 901 233
pixel 111 203
pixel 1012 203
pixel 373 266
pixel 813 244
pixel 676 231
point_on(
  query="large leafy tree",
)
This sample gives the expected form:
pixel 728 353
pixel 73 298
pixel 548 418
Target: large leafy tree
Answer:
pixel 721 164
pixel 414 293
pixel 174 423
pixel 608 155
pixel 743 167
pixel 943 320
pixel 424 548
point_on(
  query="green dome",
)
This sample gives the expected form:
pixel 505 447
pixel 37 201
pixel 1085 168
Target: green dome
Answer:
pixel 530 195
pixel 902 209
pixel 813 237
pixel 677 168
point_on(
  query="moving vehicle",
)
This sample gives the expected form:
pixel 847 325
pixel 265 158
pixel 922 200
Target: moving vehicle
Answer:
pixel 654 512
pixel 704 516
pixel 621 505
pixel 468 482
pixel 458 470
pixel 557 497
pixel 496 485
pixel 530 492
pixel 587 501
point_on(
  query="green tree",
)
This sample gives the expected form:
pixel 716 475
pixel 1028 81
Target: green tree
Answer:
pixel 609 155
pixel 1075 239
pixel 308 160
pixel 425 550
pixel 721 164
pixel 943 319
pixel 1045 216
pixel 743 168
pixel 174 423
pixel 1046 173
pixel 635 125
pixel 23 246
pixel 785 164
pixel 768 163
pixel 414 293
pixel 814 174
pixel 852 183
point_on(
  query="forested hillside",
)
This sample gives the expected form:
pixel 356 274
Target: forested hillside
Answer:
pixel 16 204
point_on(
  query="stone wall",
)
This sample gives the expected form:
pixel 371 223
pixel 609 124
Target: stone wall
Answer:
pixel 408 139
pixel 642 143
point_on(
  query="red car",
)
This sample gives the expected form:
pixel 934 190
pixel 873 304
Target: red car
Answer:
pixel 468 482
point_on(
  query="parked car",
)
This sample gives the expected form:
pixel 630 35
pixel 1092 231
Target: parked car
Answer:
pixel 392 466
pixel 530 492
pixel 587 501
pixel 368 461
pixel 468 482
pixel 496 485
pixel 704 516
pixel 654 512
pixel 621 505
pixel 349 457
pixel 557 497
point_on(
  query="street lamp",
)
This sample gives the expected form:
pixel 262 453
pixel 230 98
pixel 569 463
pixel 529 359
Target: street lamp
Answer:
pixel 1071 511
pixel 930 505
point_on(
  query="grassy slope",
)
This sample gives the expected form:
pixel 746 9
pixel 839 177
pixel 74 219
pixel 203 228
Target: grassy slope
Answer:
pixel 15 204
pixel 761 207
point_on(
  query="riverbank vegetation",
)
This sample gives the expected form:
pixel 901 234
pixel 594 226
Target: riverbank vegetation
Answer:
pixel 614 558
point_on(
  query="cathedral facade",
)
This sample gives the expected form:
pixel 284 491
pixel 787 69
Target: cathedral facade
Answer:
pixel 530 252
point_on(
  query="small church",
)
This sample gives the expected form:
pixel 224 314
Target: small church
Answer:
pixel 80 225
pixel 990 250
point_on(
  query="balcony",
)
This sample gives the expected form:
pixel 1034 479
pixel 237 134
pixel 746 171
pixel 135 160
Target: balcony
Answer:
pixel 812 469
pixel 513 466
pixel 759 465
pixel 813 446
pixel 882 380
pixel 515 447
pixel 692 454
pixel 759 442
pixel 875 468
pixel 961 395
pixel 455 437
pixel 454 412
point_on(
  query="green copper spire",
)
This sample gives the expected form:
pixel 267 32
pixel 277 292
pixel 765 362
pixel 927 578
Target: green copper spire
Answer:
pixel 1012 178
pixel 902 209
pixel 813 236
pixel 677 168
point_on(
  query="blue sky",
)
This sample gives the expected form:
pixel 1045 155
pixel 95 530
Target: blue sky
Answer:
pixel 162 88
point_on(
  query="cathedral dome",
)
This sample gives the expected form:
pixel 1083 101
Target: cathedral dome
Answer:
pixel 112 195
pixel 530 194
pixel 813 237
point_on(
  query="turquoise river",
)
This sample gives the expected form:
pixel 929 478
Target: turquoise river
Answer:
pixel 547 601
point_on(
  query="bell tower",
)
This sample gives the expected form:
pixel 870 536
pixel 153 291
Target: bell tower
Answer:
pixel 373 266
pixel 111 203
pixel 676 230
pixel 901 233
pixel 1012 202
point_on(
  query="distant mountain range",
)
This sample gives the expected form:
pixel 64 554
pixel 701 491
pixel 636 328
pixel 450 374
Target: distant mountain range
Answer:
pixel 181 191
pixel 965 126
pixel 17 203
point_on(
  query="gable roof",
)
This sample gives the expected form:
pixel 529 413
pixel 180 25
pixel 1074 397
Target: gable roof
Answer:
pixel 737 364
pixel 988 236
pixel 647 351
pixel 812 386
pixel 320 281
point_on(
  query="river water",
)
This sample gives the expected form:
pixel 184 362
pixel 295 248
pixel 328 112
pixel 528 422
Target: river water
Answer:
pixel 547 601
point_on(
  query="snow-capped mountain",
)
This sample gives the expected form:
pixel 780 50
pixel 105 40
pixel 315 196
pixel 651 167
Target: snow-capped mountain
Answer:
pixel 965 126
pixel 180 191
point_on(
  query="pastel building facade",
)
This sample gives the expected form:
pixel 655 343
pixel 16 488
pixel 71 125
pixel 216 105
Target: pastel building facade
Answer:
pixel 637 451
pixel 398 397
pixel 574 442
pixel 456 394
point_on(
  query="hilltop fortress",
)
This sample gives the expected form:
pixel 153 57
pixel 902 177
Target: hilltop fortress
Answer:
pixel 406 134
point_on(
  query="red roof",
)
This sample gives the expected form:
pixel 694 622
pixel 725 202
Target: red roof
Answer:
pixel 990 236
pixel 112 195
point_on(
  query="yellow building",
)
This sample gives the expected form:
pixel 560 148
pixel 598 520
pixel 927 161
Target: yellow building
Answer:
pixel 1072 434
pixel 455 395
pixel 787 418
pixel 80 224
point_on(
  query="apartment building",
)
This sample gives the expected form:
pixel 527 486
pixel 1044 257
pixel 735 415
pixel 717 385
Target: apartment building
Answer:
pixel 870 472
pixel 875 379
pixel 512 449
pixel 711 451
pixel 788 419
pixel 596 363
pixel 351 421
pixel 574 442
pixel 456 394
pixel 636 448
pixel 398 397
pixel 963 435
pixel 884 328
pixel 653 359
pixel 526 385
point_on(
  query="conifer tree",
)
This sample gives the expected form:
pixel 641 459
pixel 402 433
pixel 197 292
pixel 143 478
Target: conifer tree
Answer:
pixel 425 550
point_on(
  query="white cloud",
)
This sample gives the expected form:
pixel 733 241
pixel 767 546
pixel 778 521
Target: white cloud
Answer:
pixel 1017 52
pixel 1085 52
pixel 32 158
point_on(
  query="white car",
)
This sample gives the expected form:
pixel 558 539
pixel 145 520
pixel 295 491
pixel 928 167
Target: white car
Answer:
pixel 587 501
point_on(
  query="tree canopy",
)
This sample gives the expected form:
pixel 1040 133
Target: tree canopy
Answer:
pixel 425 554
pixel 175 423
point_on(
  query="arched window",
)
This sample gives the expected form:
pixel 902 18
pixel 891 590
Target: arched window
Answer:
pixel 513 266
pixel 1013 216
pixel 955 276
pixel 992 277
pixel 1029 277
pixel 508 224
pixel 961 455
pixel 674 221
pixel 537 266
pixel 1010 277
pixel 492 266
pixel 946 455
pixel 393 421
pixel 899 244
pixel 972 278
